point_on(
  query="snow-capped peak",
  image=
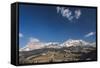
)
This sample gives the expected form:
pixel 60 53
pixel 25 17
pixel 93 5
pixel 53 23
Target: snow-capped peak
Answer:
pixel 36 44
pixel 52 45
pixel 71 42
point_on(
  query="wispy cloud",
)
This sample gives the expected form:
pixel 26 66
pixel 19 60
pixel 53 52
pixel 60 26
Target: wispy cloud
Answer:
pixel 58 9
pixel 90 34
pixel 77 13
pixel 67 13
pixel 21 35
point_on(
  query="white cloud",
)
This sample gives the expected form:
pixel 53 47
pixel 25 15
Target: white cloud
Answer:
pixel 20 35
pixel 77 13
pixel 58 9
pixel 71 18
pixel 33 39
pixel 67 13
pixel 32 44
pixel 90 34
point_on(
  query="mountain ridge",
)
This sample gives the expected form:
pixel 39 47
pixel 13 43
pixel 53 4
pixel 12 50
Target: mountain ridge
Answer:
pixel 38 45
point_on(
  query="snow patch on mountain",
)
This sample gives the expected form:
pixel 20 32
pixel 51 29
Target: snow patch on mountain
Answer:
pixel 52 45
pixel 36 44
pixel 72 42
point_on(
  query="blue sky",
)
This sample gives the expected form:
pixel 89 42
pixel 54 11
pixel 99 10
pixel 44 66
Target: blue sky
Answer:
pixel 55 23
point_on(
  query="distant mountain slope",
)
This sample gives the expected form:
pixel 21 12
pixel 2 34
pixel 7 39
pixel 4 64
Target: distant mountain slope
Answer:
pixel 64 54
pixel 70 50
pixel 32 45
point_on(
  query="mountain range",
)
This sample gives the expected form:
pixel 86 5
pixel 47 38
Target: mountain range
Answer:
pixel 70 50
pixel 33 45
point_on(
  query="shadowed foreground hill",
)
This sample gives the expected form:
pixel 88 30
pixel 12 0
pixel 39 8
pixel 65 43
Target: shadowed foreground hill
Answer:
pixel 65 54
